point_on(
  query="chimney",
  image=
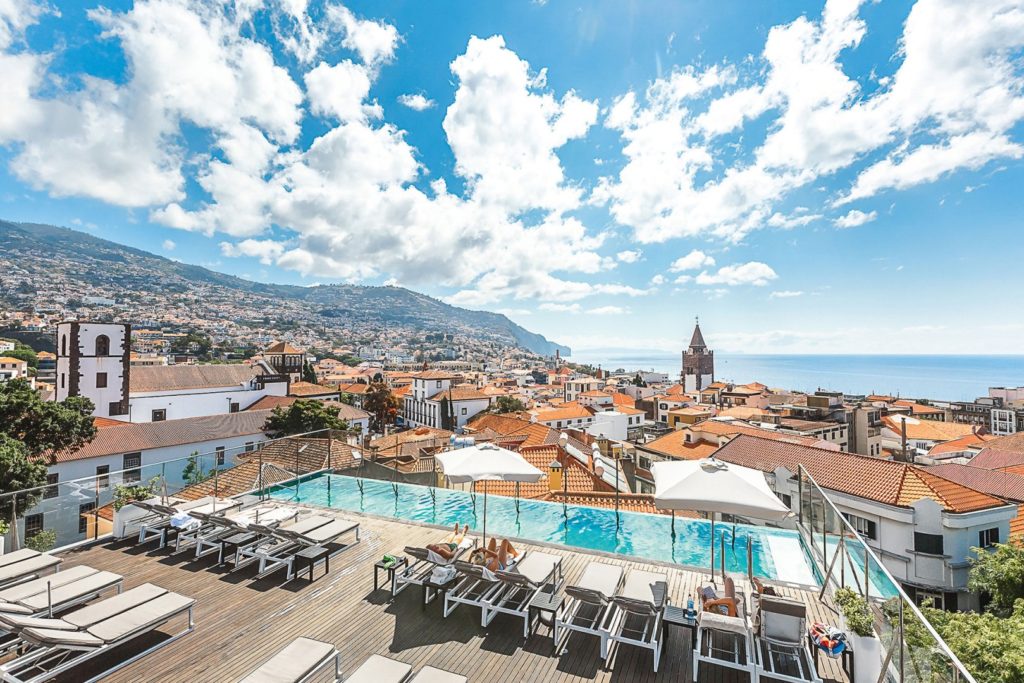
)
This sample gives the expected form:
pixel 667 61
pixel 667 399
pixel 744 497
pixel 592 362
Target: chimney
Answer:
pixel 903 439
pixel 555 475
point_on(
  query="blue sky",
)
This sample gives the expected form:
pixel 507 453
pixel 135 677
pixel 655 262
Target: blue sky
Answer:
pixel 807 177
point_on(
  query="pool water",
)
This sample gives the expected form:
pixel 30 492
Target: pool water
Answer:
pixel 641 535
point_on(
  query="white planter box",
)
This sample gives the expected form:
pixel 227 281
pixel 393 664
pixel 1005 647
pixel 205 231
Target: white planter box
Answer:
pixel 2 539
pixel 125 518
pixel 867 657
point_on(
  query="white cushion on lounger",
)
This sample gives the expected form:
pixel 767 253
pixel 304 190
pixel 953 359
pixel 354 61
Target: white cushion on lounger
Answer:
pixel 379 669
pixel 145 616
pixel 18 556
pixel 16 622
pixel 296 661
pixel 46 636
pixel 601 578
pixel 12 608
pixel 429 674
pixel 37 586
pixel 721 622
pixel 34 564
pixel 645 586
pixel 72 591
pixel 536 566
pixel 97 612
pixel 330 531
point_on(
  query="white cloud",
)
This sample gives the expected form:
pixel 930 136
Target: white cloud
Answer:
pixel 695 260
pixel 560 308
pixel 169 245
pixel 339 90
pixel 954 102
pixel 629 256
pixel 416 101
pixel 855 217
pixel 374 41
pixel 785 294
pixel 267 251
pixel 608 310
pixel 658 279
pixel 751 273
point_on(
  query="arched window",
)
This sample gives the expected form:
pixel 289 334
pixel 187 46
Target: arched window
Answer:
pixel 64 345
pixel 103 345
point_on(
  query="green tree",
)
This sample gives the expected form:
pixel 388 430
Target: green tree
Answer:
pixel 507 404
pixel 304 416
pixel 18 471
pixel 25 353
pixel 991 647
pixel 193 342
pixel 193 472
pixel 638 381
pixel 999 573
pixel 307 373
pixel 382 406
pixel 45 427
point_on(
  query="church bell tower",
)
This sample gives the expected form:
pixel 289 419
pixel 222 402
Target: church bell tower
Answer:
pixel 698 363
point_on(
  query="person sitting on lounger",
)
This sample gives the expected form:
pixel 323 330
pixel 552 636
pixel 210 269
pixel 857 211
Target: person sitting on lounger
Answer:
pixel 450 545
pixel 495 557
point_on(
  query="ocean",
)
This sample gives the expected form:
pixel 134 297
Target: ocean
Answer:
pixel 949 378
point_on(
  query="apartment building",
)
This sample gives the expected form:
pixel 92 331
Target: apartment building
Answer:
pixel 431 391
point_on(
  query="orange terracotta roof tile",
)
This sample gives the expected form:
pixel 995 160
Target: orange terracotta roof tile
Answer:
pixel 309 389
pixel 885 481
pixel 566 411
pixel 674 445
pixel 620 399
pixel 970 441
pixel 927 430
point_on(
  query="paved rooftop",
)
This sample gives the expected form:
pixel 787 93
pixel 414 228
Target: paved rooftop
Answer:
pixel 240 623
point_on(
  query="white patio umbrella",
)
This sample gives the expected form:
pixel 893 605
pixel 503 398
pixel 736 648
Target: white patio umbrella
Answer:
pixel 712 486
pixel 486 462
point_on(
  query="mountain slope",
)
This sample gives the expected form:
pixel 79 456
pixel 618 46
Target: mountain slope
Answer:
pixel 37 252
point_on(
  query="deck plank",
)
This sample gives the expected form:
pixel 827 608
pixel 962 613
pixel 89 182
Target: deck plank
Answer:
pixel 241 623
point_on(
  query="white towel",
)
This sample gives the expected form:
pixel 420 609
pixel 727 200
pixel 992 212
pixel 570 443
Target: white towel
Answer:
pixel 184 521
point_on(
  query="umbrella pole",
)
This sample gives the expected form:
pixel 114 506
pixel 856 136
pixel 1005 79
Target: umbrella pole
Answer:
pixel 485 518
pixel 673 525
pixel 712 548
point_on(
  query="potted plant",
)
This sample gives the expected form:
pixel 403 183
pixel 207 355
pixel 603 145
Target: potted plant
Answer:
pixel 4 528
pixel 124 512
pixel 860 632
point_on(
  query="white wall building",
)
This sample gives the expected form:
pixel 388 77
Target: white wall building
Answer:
pixel 423 403
pixel 134 453
pixel 175 392
pixel 94 360
pixel 12 368
pixel 574 387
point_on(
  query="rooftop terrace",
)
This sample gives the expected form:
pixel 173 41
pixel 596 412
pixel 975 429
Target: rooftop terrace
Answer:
pixel 240 622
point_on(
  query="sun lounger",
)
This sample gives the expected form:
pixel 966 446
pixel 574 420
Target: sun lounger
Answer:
pixel 780 643
pixel 275 550
pixel 587 602
pixel 50 647
pixel 475 586
pixel 533 574
pixel 724 641
pixel 431 674
pixel 423 561
pixel 326 535
pixel 56 592
pixel 636 611
pixel 27 566
pixel 301 660
pixel 378 669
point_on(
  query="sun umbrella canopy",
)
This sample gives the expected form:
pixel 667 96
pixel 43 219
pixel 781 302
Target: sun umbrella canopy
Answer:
pixel 714 486
pixel 486 462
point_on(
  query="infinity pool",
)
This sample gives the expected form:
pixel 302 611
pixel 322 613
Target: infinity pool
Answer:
pixel 777 553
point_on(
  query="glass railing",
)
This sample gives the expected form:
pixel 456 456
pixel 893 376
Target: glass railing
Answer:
pixel 65 513
pixel 909 649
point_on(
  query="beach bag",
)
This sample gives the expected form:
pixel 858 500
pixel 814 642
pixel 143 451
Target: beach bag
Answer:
pixel 442 575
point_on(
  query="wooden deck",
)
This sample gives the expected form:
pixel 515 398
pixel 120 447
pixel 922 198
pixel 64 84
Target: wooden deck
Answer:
pixel 241 622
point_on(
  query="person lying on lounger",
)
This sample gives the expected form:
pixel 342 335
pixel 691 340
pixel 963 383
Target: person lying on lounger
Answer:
pixel 495 557
pixel 450 545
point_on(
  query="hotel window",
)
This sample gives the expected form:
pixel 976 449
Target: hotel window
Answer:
pixel 234 407
pixel 463 411
pixel 929 544
pixel 33 524
pixel 83 521
pixel 51 489
pixel 132 468
pixel 988 537
pixel 115 408
pixel 864 527
pixel 62 380
pixel 103 345
pixel 102 480
pixel 220 456
pixel 101 380
pixel 159 415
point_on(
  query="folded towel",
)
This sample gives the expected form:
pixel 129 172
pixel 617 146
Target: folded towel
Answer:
pixel 184 521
